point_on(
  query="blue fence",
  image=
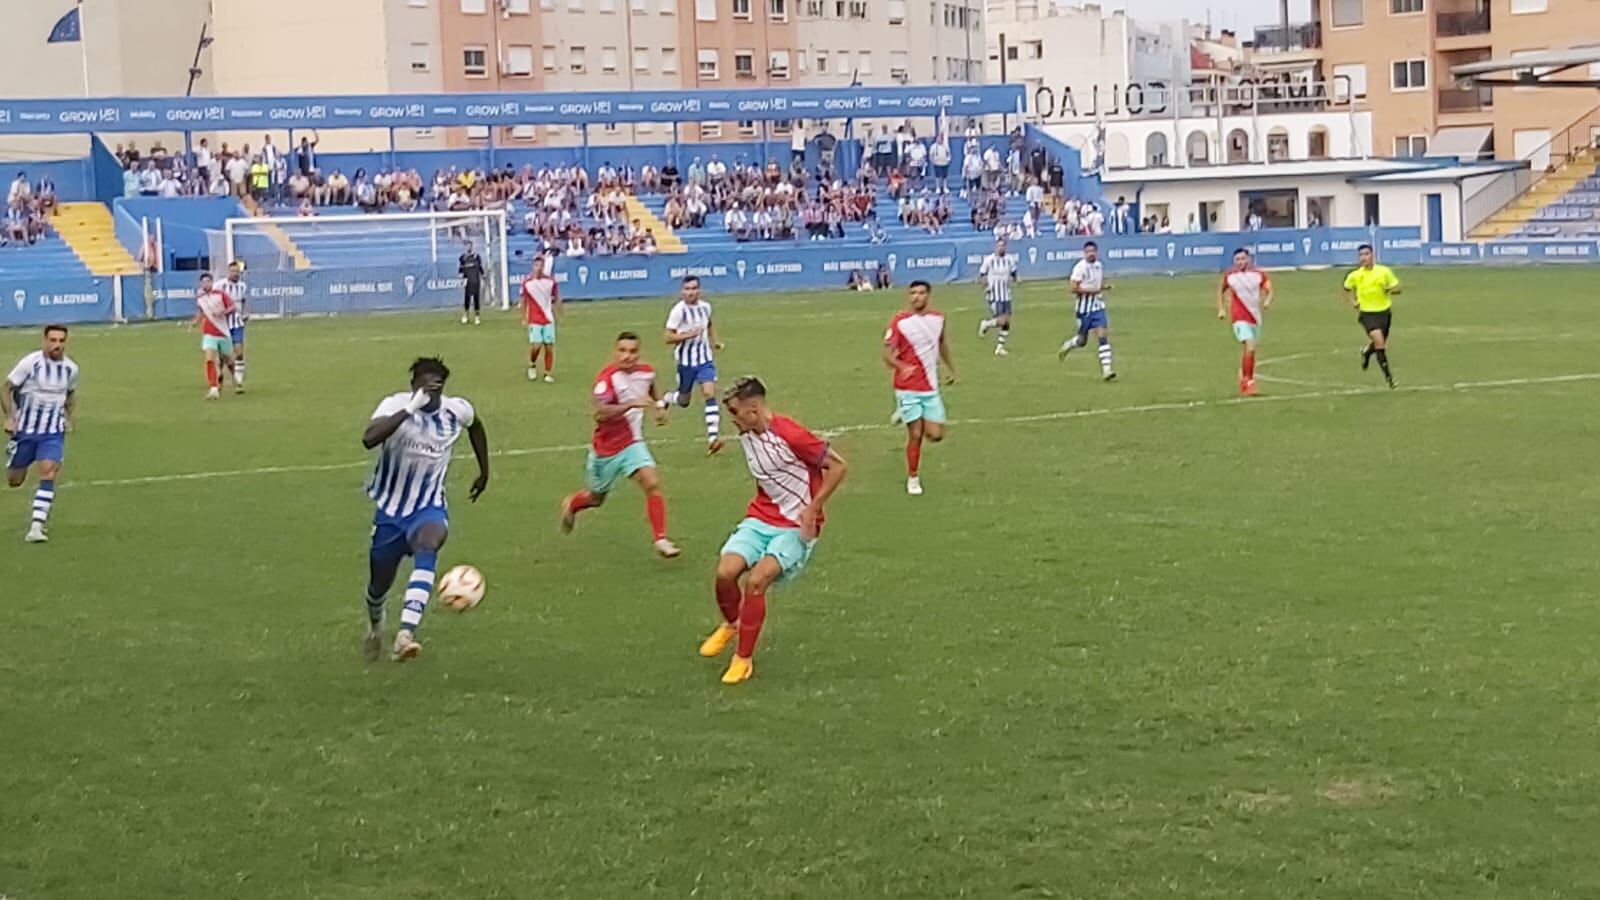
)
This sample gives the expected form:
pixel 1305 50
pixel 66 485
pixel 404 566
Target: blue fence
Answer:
pixel 757 269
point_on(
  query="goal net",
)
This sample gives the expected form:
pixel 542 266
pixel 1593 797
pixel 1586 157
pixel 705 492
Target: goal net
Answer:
pixel 419 245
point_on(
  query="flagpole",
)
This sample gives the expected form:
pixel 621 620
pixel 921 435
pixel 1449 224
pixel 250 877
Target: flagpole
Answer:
pixel 83 46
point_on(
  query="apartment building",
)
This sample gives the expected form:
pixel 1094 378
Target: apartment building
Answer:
pixel 1093 55
pixel 1395 57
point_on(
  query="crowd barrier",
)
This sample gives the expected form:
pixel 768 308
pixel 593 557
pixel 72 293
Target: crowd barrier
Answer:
pixel 756 268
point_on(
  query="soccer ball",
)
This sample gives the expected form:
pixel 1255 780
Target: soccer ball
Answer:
pixel 461 588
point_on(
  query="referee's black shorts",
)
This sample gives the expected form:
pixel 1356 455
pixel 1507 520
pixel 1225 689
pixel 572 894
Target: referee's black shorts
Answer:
pixel 1376 321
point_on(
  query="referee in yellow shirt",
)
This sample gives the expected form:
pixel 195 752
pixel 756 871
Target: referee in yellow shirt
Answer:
pixel 1370 288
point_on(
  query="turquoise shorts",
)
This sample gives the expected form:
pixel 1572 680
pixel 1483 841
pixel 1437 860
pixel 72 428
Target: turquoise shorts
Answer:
pixel 222 345
pixel 542 334
pixel 754 539
pixel 916 405
pixel 601 472
pixel 1244 331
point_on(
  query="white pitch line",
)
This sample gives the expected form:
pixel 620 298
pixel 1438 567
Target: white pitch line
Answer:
pixel 1301 383
pixel 1058 416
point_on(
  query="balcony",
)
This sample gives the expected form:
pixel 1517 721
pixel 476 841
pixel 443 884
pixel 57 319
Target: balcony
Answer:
pixel 1463 24
pixel 1468 101
pixel 1294 39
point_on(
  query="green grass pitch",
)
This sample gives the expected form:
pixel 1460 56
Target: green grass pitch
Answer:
pixel 1138 640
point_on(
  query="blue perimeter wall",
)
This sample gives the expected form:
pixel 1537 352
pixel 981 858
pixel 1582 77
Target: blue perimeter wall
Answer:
pixel 757 269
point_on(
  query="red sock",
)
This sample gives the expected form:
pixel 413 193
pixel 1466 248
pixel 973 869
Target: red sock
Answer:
pixel 913 456
pixel 533 358
pixel 583 500
pixel 549 358
pixel 211 373
pixel 751 615
pixel 655 506
pixel 1248 367
pixel 728 600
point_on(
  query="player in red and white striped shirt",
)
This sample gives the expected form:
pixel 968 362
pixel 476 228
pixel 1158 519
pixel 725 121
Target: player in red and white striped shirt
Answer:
pixel 795 472
pixel 1245 296
pixel 913 347
pixel 212 309
pixel 541 304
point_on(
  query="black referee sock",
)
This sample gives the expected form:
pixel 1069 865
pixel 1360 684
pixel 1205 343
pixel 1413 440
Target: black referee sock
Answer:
pixel 1383 363
pixel 1366 356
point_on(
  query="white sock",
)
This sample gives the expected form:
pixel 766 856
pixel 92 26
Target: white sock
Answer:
pixel 713 419
pixel 670 398
pixel 238 371
pixel 418 590
pixel 1105 357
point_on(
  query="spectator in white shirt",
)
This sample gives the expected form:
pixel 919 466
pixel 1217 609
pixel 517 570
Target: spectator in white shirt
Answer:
pixel 992 166
pixel 21 191
pixel 1194 225
pixel 202 159
pixel 797 140
pixel 170 187
pixel 149 180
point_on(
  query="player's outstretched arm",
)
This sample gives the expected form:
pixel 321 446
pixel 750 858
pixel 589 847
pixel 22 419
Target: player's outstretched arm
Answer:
pixel 1222 300
pixel 834 469
pixel 711 332
pixel 944 357
pixel 480 449
pixel 8 405
pixel 1267 295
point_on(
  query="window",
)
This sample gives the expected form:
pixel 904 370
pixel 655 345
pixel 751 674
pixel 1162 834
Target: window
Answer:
pixel 858 9
pixel 475 61
pixel 744 64
pixel 519 61
pixel 1404 7
pixel 778 10
pixel 1410 75
pixel 741 9
pixel 421 57
pixel 814 9
pixel 423 134
pixel 641 59
pixel 475 7
pixel 844 67
pixel 778 64
pixel 897 12
pixel 577 63
pixel 639 7
pixel 801 60
pixel 899 64
pixel 864 62
pixel 608 6
pixel 522 132
pixel 417 4
pixel 1356 86
pixel 669 60
pixel 1033 50
pixel 1347 13
pixel 644 128
pixel 781 126
pixel 1518 7
pixel 747 128
pixel 477 132
pixel 1411 145
pixel 547 5
pixel 518 7
pixel 710 130
pixel 575 5
pixel 608 59
pixel 822 62
pixel 705 10
pixel 708 65
pixel 669 7
pixel 549 58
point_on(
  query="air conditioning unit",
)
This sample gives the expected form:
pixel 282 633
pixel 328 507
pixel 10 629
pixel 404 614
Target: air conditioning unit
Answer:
pixel 779 72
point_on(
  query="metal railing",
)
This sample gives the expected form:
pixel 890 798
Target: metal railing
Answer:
pixel 1275 38
pixel 1470 100
pixel 1566 145
pixel 1461 24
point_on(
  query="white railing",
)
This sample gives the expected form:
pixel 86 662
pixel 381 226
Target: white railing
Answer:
pixel 1494 195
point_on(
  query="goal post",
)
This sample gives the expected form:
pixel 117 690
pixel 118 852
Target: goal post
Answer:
pixel 365 241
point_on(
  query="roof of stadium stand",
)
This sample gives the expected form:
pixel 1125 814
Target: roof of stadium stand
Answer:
pixel 171 114
pixel 1541 69
pixel 1420 169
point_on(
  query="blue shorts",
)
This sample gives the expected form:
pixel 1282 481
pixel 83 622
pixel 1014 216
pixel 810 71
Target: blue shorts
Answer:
pixel 1244 331
pixel 392 535
pixel 29 449
pixel 237 334
pixel 689 376
pixel 1092 320
pixel 601 472
pixel 542 334
pixel 221 345
pixel 998 308
pixel 754 539
pixel 915 405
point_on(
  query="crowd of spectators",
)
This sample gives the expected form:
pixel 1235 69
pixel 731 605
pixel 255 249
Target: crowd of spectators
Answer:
pixel 29 206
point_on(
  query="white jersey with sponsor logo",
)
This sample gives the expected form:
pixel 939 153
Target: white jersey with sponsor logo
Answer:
pixel 1090 277
pixel 696 351
pixel 998 270
pixel 41 386
pixel 238 292
pixel 413 462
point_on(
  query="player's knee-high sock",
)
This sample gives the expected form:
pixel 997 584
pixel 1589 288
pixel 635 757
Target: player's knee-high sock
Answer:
pixel 670 398
pixel 1247 367
pixel 1383 362
pixel 418 590
pixel 655 506
pixel 752 614
pixel 913 456
pixel 43 499
pixel 728 598
pixel 549 358
pixel 713 418
pixel 1003 336
pixel 238 370
pixel 1105 355
pixel 211 373
pixel 374 607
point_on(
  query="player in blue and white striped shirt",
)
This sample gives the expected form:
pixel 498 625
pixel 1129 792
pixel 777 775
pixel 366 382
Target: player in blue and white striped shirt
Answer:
pixel 239 293
pixel 39 399
pixel 692 336
pixel 1089 286
pixel 416 430
pixel 999 270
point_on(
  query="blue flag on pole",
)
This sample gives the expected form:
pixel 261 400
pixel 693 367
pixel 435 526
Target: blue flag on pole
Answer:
pixel 69 28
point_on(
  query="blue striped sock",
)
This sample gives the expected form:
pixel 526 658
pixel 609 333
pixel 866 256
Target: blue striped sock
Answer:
pixel 43 499
pixel 418 590
pixel 713 419
pixel 1105 355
